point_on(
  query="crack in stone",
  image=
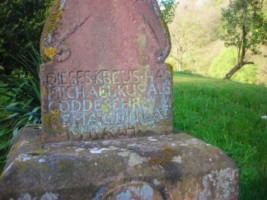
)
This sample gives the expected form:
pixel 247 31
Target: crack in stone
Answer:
pixel 63 46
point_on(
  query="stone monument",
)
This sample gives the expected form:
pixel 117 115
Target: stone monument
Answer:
pixel 107 128
pixel 105 74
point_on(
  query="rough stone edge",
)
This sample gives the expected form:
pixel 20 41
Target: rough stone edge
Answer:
pixel 222 179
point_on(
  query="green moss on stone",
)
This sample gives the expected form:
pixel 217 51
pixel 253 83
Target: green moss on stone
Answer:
pixel 64 165
pixel 37 152
pixel 163 24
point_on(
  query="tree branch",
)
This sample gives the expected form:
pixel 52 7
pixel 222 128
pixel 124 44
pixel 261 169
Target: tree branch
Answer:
pixel 248 63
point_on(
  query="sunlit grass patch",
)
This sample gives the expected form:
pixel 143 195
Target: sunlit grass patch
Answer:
pixel 228 115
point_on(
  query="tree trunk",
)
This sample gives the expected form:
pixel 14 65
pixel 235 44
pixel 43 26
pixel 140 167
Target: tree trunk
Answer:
pixel 239 65
pixel 233 70
pixel 241 56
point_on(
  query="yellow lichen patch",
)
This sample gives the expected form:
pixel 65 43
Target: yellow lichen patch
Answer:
pixel 142 43
pixel 37 152
pixel 163 157
pixel 169 151
pixel 15 146
pixel 64 165
pixel 51 116
pixel 51 24
pixel 50 53
pixel 47 118
pixel 104 108
pixel 21 165
pixel 163 24
pixel 59 13
pixel 43 91
pixel 169 67
pixel 56 112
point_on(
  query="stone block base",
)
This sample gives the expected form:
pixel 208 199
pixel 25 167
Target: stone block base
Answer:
pixel 166 167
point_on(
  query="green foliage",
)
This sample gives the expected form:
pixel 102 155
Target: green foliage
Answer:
pixel 21 21
pixel 227 114
pixel 20 100
pixel 168 10
pixel 196 41
pixel 245 25
pixel 246 75
pixel 194 35
pixel 219 2
pixel 225 61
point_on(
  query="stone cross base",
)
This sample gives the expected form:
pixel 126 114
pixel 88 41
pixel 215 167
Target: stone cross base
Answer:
pixel 167 167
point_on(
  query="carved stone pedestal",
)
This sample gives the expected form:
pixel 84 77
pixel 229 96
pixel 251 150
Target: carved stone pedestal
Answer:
pixel 174 166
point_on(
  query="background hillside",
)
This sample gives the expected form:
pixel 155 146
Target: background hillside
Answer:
pixel 197 47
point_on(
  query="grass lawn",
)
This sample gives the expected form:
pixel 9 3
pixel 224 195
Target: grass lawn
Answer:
pixel 227 114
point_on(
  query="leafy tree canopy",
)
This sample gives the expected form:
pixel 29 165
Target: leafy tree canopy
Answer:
pixel 21 23
pixel 245 27
pixel 248 15
pixel 168 9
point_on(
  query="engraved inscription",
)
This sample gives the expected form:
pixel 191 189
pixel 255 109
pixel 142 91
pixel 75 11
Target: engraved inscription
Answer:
pixel 91 102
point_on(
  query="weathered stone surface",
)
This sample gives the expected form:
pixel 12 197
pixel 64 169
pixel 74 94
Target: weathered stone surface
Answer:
pixel 105 74
pixel 174 166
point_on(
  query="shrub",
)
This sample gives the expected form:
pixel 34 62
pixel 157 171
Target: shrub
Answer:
pixel 21 21
pixel 20 100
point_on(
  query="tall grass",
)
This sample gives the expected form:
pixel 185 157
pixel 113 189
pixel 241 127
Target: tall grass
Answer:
pixel 227 115
pixel 19 100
